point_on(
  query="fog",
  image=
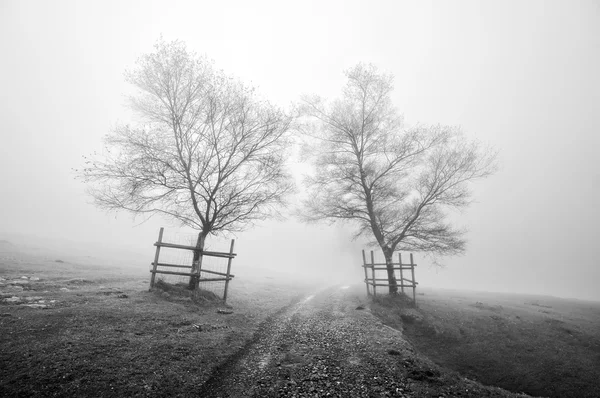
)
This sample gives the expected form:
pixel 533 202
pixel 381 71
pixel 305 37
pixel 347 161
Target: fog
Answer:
pixel 520 76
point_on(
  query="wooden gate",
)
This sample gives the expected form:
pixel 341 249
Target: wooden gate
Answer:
pixel 372 281
pixel 195 269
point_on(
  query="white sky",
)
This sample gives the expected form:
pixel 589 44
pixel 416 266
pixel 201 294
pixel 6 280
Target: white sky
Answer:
pixel 521 76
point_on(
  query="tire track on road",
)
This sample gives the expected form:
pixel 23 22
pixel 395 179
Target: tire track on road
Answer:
pixel 231 378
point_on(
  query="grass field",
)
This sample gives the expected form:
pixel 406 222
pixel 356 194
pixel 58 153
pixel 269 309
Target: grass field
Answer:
pixel 81 327
pixel 543 346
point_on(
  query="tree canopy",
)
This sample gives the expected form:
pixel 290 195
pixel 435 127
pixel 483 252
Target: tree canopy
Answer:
pixel 395 183
pixel 207 151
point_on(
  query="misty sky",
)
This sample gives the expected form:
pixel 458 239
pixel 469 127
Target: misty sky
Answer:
pixel 521 76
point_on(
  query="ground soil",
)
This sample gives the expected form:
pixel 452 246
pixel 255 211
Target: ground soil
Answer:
pixel 330 345
pixel 79 329
pixel 75 328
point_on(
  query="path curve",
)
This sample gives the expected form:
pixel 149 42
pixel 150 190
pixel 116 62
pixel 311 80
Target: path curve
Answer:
pixel 327 345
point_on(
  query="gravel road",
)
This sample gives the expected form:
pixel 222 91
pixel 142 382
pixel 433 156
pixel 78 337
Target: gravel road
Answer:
pixel 327 345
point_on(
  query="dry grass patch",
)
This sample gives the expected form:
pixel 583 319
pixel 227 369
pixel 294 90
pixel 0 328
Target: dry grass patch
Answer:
pixel 541 347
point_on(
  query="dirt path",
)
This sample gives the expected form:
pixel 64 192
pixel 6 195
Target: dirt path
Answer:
pixel 326 345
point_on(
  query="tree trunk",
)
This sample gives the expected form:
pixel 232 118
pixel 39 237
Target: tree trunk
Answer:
pixel 197 262
pixel 389 254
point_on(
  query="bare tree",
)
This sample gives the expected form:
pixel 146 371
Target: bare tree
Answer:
pixel 395 183
pixel 206 151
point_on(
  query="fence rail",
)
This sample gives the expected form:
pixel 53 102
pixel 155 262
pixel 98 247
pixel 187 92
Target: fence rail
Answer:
pixel 371 281
pixel 195 268
pixel 195 248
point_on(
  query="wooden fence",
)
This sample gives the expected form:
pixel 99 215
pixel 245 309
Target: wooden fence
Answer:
pixel 372 281
pixel 195 269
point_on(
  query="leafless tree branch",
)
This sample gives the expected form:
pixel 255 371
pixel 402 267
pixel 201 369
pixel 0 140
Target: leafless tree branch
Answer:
pixel 395 183
pixel 208 151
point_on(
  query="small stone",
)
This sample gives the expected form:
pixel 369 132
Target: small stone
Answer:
pixel 34 278
pixel 13 299
pixel 64 289
pixel 38 306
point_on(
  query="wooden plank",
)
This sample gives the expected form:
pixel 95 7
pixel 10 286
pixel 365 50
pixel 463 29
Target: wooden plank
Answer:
pixel 228 271
pixel 407 266
pixel 372 267
pixel 172 265
pixel 401 276
pixel 394 264
pixel 156 255
pixel 366 275
pixel 190 274
pixel 381 264
pixel 404 267
pixel 175 246
pixel 213 279
pixel 192 248
pixel 413 279
pixel 387 284
pixel 219 254
pixel 410 283
pixel 172 273
pixel 208 271
pixel 189 266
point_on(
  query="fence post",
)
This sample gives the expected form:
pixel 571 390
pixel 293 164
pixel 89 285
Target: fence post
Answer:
pixel 412 270
pixel 366 275
pixel 401 273
pixel 228 270
pixel 373 273
pixel 155 263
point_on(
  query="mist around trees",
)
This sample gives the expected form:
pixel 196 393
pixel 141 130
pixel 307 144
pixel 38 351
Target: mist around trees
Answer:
pixel 394 183
pixel 211 153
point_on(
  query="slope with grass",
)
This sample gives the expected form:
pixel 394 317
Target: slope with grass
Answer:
pixel 539 345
